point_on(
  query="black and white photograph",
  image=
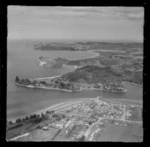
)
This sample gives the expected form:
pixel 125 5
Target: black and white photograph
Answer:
pixel 74 73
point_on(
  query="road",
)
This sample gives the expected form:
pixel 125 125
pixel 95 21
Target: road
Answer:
pixel 90 128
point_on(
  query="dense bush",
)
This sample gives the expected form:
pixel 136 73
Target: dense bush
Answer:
pixel 93 74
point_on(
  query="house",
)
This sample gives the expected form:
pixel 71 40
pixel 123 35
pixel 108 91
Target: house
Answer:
pixel 45 128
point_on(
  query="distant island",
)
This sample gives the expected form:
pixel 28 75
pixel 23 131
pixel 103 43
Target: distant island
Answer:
pixel 84 78
pixel 53 46
pixel 84 46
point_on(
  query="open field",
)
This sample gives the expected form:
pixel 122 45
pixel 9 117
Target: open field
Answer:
pixel 115 133
pixel 40 135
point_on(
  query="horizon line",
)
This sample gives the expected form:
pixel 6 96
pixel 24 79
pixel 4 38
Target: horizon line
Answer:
pixel 82 40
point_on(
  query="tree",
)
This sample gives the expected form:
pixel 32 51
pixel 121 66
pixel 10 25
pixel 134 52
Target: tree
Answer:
pixel 23 120
pixel 10 122
pixel 22 81
pixel 18 120
pixel 49 112
pixel 56 81
pixel 34 82
pixel 43 82
pixel 62 85
pixel 38 116
pixel 17 79
pixel 58 118
pixel 42 115
pixel 63 116
pixel 33 116
pixel 26 118
pixel 90 123
pixel 28 81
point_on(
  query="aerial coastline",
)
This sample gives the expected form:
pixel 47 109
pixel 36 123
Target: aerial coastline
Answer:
pixel 123 60
pixel 84 77
pixel 61 62
pixel 88 74
pixel 79 100
pixel 75 74
pixel 71 82
pixel 60 110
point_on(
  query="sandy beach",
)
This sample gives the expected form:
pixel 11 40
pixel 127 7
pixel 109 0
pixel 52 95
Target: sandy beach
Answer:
pixel 71 102
pixel 74 66
pixel 62 104
pixel 57 106
pixel 93 51
pixel 79 100
pixel 43 87
pixel 44 78
pixel 53 107
pixel 64 65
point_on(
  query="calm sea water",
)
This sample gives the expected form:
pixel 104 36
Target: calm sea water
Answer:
pixel 22 61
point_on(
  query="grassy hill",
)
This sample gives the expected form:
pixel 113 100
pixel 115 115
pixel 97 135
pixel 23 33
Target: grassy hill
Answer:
pixel 93 74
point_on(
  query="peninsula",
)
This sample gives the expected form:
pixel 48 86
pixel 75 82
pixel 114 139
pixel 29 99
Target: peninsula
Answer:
pixel 84 78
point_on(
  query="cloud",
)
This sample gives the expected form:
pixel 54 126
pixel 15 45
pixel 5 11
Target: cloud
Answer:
pixel 135 15
pixel 101 12
pixel 76 20
pixel 69 13
pixel 14 35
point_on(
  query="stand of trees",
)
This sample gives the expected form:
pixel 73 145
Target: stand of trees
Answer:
pixel 35 118
pixel 22 81
pixel 28 82
pixel 17 79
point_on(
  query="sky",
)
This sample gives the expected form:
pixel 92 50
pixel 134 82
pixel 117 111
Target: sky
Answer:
pixel 76 23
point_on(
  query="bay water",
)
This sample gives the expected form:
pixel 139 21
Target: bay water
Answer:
pixel 22 61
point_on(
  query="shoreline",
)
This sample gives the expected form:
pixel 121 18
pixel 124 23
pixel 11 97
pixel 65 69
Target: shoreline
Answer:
pixel 52 107
pixel 74 66
pixel 51 88
pixel 45 78
pixel 38 87
pixel 134 84
pixel 62 104
pixel 64 65
pixel 96 55
pixel 74 101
